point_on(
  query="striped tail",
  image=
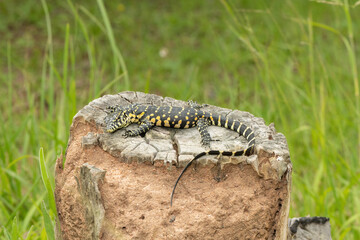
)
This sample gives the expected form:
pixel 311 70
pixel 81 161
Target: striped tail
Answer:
pixel 235 125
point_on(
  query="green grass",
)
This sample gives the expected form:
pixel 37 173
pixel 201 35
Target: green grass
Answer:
pixel 293 63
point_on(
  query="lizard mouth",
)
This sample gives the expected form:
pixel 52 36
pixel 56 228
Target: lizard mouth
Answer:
pixel 118 124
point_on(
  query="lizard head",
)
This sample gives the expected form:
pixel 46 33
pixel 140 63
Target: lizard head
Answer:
pixel 119 117
pixel 120 120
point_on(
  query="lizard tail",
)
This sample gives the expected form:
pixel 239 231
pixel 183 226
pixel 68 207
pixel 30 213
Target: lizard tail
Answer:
pixel 182 172
pixel 247 152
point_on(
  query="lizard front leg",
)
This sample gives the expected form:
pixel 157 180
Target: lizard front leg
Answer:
pixel 143 128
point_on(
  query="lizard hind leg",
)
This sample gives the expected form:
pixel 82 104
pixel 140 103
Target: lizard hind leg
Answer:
pixel 195 105
pixel 202 125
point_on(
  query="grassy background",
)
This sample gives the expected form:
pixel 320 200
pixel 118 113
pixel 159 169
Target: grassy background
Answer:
pixel 293 63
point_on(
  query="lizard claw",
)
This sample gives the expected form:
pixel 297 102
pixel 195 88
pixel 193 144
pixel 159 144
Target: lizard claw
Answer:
pixel 205 143
pixel 127 133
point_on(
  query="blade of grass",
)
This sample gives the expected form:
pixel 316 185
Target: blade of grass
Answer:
pixel 65 60
pixel 43 90
pixel 93 18
pixel 6 233
pixel 48 223
pixel 349 45
pixel 18 159
pixel 353 63
pixel 46 181
pixel 72 86
pixel 14 175
pixel 108 86
pixel 118 58
pixel 14 229
pixel 23 200
pixel 30 214
pixel 49 46
pixel 29 233
pixel 90 48
pixel 9 82
pixel 4 211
